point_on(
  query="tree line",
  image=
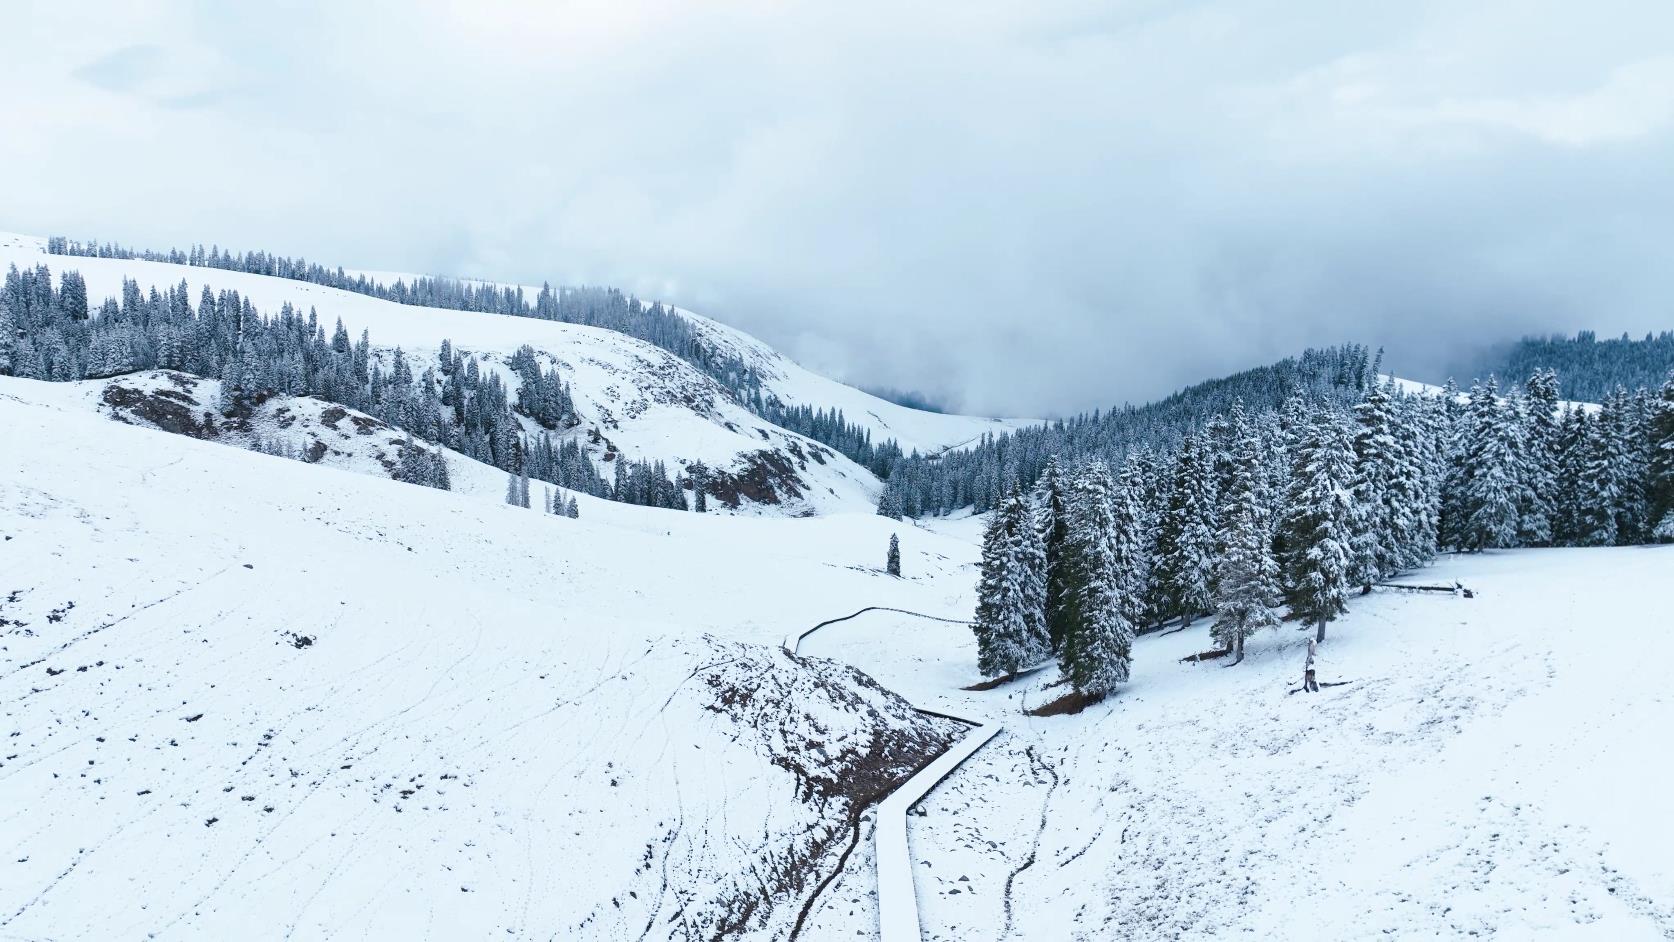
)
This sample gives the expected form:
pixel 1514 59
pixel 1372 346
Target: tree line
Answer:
pixel 608 308
pixel 1592 368
pixel 1256 517
pixel 51 333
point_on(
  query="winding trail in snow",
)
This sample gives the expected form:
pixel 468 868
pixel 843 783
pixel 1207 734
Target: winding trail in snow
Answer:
pixel 897 892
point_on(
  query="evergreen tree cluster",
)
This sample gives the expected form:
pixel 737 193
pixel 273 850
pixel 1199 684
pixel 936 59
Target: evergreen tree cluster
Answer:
pixel 1591 368
pixel 49 333
pixel 1295 508
pixel 829 427
pixel 608 308
pixel 981 475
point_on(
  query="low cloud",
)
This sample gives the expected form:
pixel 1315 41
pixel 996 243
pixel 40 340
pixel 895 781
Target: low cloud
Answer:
pixel 1017 209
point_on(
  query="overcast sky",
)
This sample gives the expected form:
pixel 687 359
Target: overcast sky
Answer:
pixel 1027 208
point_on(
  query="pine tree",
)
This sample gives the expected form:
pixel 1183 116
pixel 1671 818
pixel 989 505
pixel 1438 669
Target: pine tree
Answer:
pixel 1627 418
pixel 8 341
pixel 1051 516
pixel 1319 522
pixel 893 562
pixel 1492 489
pixel 1010 623
pixel 1247 577
pixel 1539 454
pixel 573 511
pixel 1185 536
pixel 699 474
pixel 1097 647
pixel 1573 448
pixel 1598 485
pixel 1660 470
pixel 1377 468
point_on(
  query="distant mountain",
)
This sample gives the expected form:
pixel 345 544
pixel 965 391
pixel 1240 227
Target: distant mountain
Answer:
pixel 1588 368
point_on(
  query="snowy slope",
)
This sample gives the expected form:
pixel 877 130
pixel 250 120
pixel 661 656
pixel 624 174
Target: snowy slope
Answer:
pixel 640 400
pixel 1489 767
pixel 927 432
pixel 250 697
pixel 299 427
pixel 794 384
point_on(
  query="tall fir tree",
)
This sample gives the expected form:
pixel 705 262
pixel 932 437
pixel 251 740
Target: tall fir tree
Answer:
pixel 1319 523
pixel 1659 491
pixel 1010 622
pixel 1186 536
pixel 1539 459
pixel 892 561
pixel 1377 468
pixel 1492 486
pixel 1097 648
pixel 1246 576
pixel 1052 518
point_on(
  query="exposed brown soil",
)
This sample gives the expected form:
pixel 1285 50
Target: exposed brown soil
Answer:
pixel 1066 705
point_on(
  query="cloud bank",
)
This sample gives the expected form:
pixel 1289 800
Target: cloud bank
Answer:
pixel 1015 208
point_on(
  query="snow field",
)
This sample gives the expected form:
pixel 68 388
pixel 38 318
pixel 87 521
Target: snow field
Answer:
pixel 1487 768
pixel 466 718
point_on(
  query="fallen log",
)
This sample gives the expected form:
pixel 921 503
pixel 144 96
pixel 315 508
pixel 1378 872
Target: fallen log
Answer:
pixel 1454 589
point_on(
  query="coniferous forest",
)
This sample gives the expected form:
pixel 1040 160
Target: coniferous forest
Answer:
pixel 591 306
pixel 52 333
pixel 1257 516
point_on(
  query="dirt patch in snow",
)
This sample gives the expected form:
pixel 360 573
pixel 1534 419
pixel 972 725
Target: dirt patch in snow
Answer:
pixel 164 408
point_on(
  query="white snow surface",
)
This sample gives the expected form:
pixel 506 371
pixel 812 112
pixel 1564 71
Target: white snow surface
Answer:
pixel 1488 768
pixel 293 701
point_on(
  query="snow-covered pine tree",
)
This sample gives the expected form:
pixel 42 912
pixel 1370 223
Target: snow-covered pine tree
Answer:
pixel 1598 485
pixel 893 561
pixel 1492 486
pixel 1451 429
pixel 1132 522
pixel 1186 536
pixel 1051 517
pixel 1097 646
pixel 1539 458
pixel 1011 595
pixel 1319 521
pixel 1572 446
pixel 1377 465
pixel 1246 575
pixel 573 511
pixel 699 473
pixel 1626 416
pixel 1660 470
pixel 8 340
pixel 512 496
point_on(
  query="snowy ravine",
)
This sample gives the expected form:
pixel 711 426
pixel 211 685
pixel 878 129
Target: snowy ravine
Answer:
pixel 1492 766
pixel 248 697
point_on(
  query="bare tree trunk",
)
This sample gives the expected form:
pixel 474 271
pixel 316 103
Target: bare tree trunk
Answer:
pixel 1321 636
pixel 1238 650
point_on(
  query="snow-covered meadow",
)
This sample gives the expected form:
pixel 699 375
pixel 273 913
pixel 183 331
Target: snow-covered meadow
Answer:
pixel 1489 766
pixel 246 696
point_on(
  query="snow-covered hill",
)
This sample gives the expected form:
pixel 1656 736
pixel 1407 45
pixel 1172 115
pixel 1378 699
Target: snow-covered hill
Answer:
pixel 299 427
pixel 634 399
pixel 247 696
pixel 1487 767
